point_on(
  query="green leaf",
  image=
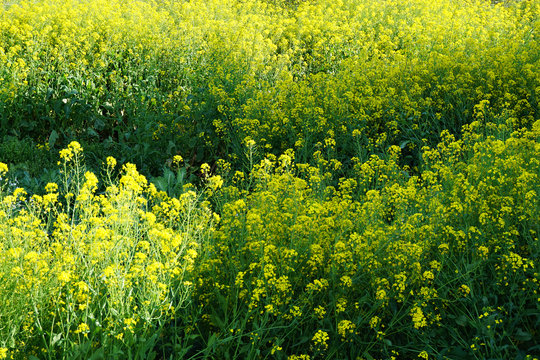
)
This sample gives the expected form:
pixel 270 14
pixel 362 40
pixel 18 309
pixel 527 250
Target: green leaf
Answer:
pixel 459 353
pixel 52 138
pixel 368 357
pixel 461 320
pixel 98 354
pixel 99 124
pixel 92 132
pixel 56 338
pixel 522 335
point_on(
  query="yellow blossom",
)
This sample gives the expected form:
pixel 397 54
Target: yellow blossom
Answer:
pixel 320 340
pixel 83 328
pixel 111 162
pixel 3 168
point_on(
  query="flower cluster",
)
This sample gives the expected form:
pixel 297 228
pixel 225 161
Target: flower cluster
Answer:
pixel 94 267
pixel 341 76
pixel 380 256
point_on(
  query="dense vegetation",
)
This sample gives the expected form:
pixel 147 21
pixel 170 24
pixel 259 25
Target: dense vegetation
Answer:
pixel 269 179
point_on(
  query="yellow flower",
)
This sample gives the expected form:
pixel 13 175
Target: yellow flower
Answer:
pixel 374 322
pixel 129 324
pixel 73 149
pixel 299 357
pixel 341 305
pixel 381 294
pixel 295 311
pixel 91 181
pixel 64 277
pixel 111 162
pixel 465 290
pixel 275 349
pixel 346 281
pixel 483 251
pixel 215 182
pixel 83 328
pixel 346 328
pixel 428 275
pixel 205 169
pixel 320 312
pixel 177 159
pixel 418 318
pixel 51 188
pixel 320 340
pixel 20 194
pixel 66 154
pixel 3 168
pixel 3 353
pixel 443 248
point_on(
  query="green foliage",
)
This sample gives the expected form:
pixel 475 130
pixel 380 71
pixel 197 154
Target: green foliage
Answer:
pixel 201 78
pixel 88 275
pixel 425 263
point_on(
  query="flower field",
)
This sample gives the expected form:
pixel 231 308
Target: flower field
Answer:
pixel 270 179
